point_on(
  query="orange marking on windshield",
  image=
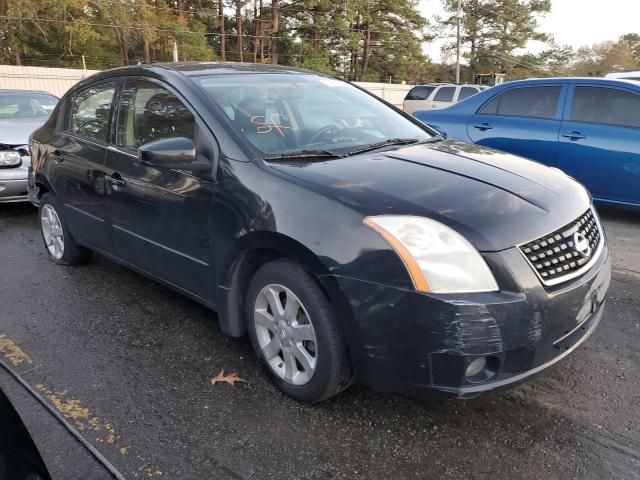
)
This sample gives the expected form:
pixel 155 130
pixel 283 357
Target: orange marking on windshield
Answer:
pixel 264 127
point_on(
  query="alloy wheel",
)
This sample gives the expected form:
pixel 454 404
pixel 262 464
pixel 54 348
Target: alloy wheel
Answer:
pixel 52 231
pixel 285 334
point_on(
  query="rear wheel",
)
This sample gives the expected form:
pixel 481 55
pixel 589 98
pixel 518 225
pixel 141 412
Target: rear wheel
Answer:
pixel 295 334
pixel 60 246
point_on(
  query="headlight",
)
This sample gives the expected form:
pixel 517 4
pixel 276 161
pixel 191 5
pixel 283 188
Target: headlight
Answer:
pixel 10 159
pixel 439 260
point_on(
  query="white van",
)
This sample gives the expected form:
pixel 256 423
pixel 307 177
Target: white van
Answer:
pixel 624 76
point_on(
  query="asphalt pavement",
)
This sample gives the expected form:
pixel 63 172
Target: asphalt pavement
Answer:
pixel 129 363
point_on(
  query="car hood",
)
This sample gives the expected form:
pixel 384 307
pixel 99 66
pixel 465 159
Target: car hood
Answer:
pixel 496 200
pixel 16 131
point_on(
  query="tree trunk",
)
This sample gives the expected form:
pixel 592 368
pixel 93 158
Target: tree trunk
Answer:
pixel 261 35
pixel 365 49
pixel 180 8
pixel 275 7
pixel 223 55
pixel 239 28
pixel 255 31
pixel 147 53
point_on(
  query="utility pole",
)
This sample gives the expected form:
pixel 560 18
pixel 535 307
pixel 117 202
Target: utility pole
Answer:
pixel 459 18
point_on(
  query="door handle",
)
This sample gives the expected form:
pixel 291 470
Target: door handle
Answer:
pixel 573 135
pixel 483 126
pixel 117 182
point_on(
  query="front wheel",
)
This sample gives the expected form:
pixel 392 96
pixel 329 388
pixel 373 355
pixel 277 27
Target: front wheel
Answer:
pixel 295 334
pixel 60 246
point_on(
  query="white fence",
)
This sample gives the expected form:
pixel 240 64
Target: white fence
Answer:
pixel 391 92
pixel 59 80
pixel 52 80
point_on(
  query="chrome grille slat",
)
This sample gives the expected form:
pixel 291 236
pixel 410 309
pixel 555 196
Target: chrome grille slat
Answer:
pixel 555 258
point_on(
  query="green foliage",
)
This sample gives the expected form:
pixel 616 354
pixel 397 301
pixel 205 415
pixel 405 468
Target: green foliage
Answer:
pixel 367 40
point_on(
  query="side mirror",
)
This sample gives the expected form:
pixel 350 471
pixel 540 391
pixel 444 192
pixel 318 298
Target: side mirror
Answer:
pixel 178 153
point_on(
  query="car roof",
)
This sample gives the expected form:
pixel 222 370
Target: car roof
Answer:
pixel 17 90
pixel 595 80
pixel 189 69
pixel 211 68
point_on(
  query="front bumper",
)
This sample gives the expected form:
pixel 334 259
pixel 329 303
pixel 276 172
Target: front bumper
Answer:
pixel 406 341
pixel 13 183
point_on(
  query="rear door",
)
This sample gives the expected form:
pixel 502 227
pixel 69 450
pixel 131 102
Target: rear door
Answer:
pixel 162 218
pixel 79 155
pixel 416 99
pixel 521 120
pixel 600 141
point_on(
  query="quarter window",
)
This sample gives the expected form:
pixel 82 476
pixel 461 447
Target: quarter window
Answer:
pixel 91 111
pixel 466 92
pixel 533 102
pixel 150 112
pixel 606 105
pixel 420 92
pixel 445 94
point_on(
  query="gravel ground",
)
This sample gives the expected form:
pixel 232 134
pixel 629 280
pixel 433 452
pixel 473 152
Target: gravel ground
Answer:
pixel 129 362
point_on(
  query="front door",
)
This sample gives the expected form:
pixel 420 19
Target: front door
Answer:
pixel 161 217
pixel 600 141
pixel 79 180
pixel 521 120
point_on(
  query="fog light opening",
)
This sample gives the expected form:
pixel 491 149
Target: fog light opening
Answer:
pixel 481 369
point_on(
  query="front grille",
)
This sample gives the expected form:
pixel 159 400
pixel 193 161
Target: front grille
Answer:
pixel 555 257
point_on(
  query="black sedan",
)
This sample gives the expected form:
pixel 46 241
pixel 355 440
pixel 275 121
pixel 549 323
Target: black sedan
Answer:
pixel 346 238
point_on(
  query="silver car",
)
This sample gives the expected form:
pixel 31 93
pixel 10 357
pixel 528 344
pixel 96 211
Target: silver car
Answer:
pixel 21 112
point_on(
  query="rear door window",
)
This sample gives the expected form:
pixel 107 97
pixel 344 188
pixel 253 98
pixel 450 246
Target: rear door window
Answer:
pixel 445 94
pixel 610 106
pixel 532 102
pixel 91 111
pixel 421 92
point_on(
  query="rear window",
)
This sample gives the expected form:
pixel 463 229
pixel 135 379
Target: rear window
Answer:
pixel 420 92
pixel 609 106
pixel 445 94
pixel 532 102
pixel 26 105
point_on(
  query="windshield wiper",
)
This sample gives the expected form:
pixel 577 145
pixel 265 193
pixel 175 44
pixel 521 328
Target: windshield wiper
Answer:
pixel 385 143
pixel 304 154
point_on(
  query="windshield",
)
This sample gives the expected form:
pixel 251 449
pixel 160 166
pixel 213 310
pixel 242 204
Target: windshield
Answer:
pixel 284 113
pixel 26 105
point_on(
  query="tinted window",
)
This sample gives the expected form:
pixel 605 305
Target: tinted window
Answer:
pixel 26 105
pixel 150 112
pixel 420 92
pixel 466 92
pixel 606 105
pixel 535 102
pixel 91 111
pixel 445 94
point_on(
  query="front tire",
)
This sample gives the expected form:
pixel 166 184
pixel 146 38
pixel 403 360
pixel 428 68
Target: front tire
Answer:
pixel 60 246
pixel 295 334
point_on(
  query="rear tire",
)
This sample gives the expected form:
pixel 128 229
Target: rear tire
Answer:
pixel 302 347
pixel 58 242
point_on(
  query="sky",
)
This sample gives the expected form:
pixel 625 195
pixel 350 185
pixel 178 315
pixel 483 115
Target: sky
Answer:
pixel 572 22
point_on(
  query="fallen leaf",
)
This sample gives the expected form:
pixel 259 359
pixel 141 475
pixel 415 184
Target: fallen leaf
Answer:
pixel 231 379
